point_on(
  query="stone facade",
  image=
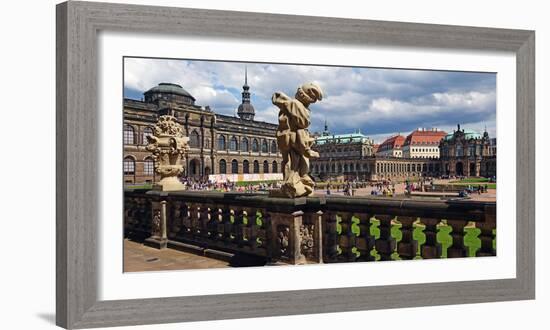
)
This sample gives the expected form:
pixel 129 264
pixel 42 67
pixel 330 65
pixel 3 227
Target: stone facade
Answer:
pixel 351 157
pixel 218 144
pixel 467 153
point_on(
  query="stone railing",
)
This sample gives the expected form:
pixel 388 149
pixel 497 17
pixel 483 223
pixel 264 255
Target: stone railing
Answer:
pixel 312 229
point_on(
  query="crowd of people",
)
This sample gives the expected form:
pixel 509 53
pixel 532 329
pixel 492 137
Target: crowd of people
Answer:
pixel 225 186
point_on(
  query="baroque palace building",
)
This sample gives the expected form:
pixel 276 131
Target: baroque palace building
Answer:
pixel 220 145
pixel 352 156
pixel 468 153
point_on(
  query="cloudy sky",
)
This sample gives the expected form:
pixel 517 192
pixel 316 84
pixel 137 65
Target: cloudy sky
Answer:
pixel 379 102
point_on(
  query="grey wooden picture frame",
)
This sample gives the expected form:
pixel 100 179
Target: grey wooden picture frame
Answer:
pixel 78 24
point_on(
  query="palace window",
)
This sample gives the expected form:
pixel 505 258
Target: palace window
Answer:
pixel 274 167
pixel 233 144
pixel 148 166
pixel 129 166
pixel 246 167
pixel 223 166
pixel 255 145
pixel 147 131
pixel 264 146
pixel 234 167
pixel 244 144
pixel 194 139
pixel 221 142
pixel 273 147
pixel 459 151
pixel 128 134
pixel 256 167
pixel 266 166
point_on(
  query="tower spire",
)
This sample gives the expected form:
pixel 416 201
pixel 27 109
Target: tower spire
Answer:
pixel 246 110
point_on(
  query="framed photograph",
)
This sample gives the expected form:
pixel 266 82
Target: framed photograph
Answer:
pixel 216 164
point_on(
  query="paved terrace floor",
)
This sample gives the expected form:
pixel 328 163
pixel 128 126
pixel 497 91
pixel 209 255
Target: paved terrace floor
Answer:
pixel 138 258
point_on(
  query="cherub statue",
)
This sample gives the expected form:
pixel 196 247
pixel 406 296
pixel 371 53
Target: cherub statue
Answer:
pixel 294 141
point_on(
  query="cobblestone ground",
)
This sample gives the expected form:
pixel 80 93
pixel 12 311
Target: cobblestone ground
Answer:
pixel 138 258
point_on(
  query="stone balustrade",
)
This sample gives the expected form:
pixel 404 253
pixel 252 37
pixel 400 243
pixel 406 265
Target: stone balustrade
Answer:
pixel 312 229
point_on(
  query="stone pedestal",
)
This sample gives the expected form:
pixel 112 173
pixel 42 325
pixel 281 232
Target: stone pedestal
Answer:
pixel 286 233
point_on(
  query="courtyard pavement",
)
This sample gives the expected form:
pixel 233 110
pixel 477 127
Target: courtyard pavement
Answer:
pixel 138 258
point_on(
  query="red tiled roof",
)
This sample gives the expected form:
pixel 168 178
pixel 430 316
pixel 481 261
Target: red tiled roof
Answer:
pixel 394 142
pixel 424 137
pixel 375 147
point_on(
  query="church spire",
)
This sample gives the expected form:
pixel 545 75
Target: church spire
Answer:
pixel 246 110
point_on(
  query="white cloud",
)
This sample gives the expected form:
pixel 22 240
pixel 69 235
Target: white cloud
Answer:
pixel 377 101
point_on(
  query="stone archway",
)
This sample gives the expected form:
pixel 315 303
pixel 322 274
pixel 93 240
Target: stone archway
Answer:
pixel 207 171
pixel 473 169
pixel 459 169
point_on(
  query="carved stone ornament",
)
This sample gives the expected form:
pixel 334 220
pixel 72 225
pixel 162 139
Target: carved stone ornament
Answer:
pixel 283 233
pixel 294 140
pixel 169 146
pixel 156 230
pixel 306 240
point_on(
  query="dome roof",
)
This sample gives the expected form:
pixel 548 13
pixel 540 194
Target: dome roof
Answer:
pixel 468 134
pixel 246 108
pixel 170 88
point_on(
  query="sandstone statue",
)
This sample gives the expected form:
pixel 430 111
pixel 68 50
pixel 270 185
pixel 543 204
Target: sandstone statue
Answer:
pixel 169 146
pixel 294 140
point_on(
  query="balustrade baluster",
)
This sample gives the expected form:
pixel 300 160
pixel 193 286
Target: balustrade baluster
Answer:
pixel 212 226
pixel 226 224
pixel 174 219
pixel 365 241
pixel 250 228
pixel 407 247
pixel 185 212
pixel 346 239
pixel 204 214
pixel 486 236
pixel 239 217
pixel 384 244
pixel 194 211
pixel 457 249
pixel 431 248
pixel 331 238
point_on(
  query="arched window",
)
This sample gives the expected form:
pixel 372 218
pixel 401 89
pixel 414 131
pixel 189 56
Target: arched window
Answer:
pixel 194 140
pixel 273 147
pixel 148 166
pixel 207 143
pixel 129 166
pixel 128 134
pixel 266 166
pixel 223 166
pixel 234 167
pixel 221 142
pixel 246 167
pixel 274 167
pixel 256 167
pixel 345 168
pixel 244 144
pixel 255 146
pixel 147 131
pixel 333 168
pixel 264 146
pixel 233 144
